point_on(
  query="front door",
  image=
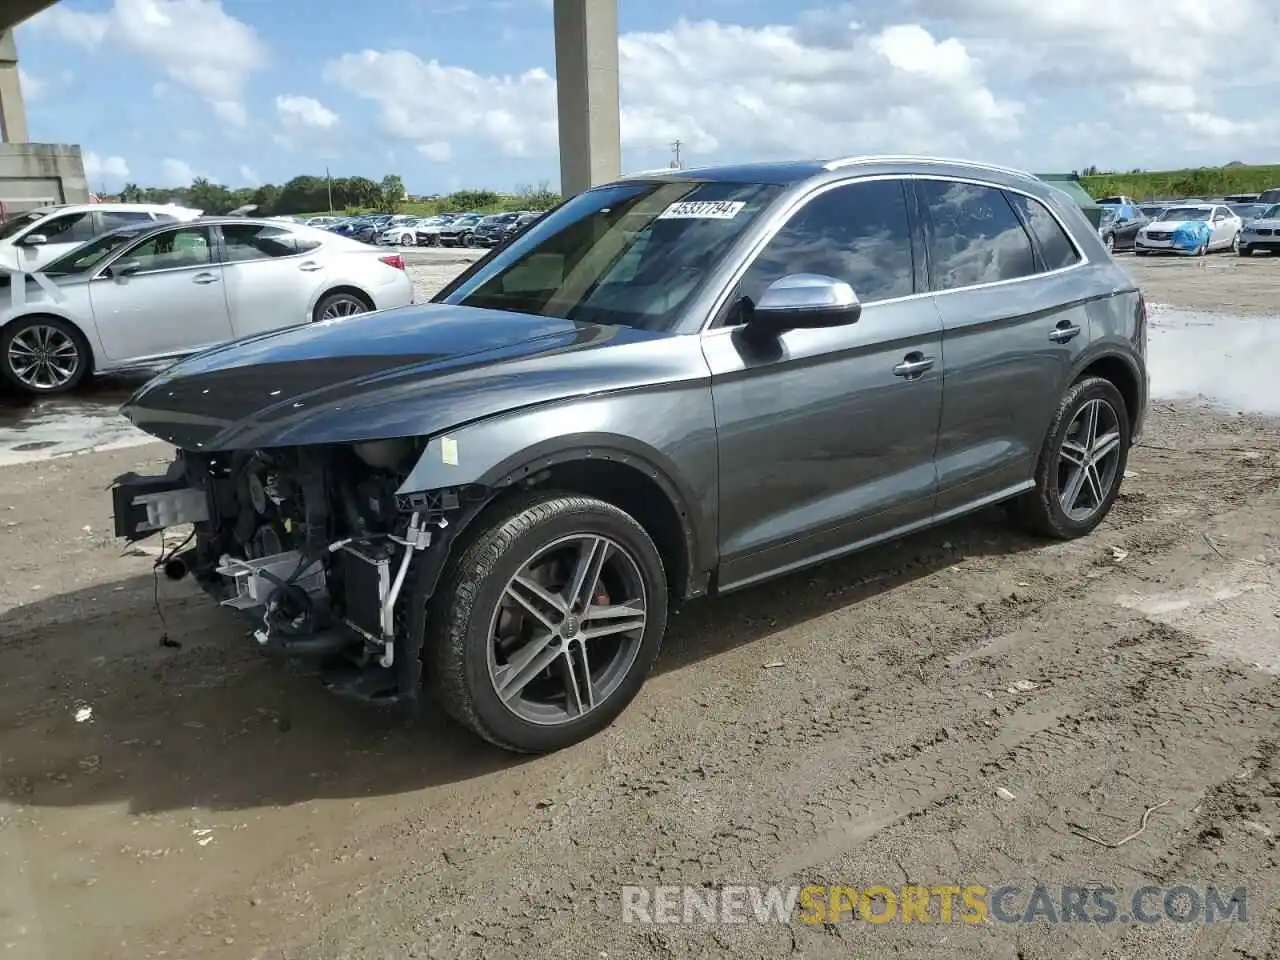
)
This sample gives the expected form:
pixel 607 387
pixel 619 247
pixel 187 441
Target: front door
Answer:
pixel 174 303
pixel 1011 344
pixel 826 437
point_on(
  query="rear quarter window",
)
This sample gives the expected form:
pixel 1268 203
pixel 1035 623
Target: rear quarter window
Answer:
pixel 1056 248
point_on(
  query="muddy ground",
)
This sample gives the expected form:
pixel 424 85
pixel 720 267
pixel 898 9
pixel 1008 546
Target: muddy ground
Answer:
pixel 939 711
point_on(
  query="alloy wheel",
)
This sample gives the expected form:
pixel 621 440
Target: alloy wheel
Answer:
pixel 567 629
pixel 43 357
pixel 1088 460
pixel 342 306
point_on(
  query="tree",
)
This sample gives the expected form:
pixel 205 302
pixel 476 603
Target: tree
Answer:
pixel 393 193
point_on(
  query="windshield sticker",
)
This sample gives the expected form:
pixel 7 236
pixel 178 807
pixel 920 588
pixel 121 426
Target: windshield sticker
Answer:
pixel 703 210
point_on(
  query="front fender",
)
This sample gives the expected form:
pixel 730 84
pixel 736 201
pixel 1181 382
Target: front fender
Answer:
pixel 667 433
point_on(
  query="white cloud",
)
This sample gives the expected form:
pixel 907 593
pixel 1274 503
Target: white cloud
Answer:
pixel 902 88
pixel 250 176
pixel 31 86
pixel 176 173
pixel 304 114
pixel 195 42
pixel 99 169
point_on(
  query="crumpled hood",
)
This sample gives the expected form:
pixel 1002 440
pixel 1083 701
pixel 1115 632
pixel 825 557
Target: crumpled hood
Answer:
pixel 403 372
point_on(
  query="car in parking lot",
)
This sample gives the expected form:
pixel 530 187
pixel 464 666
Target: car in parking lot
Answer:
pixel 492 230
pixel 1193 229
pixel 1262 233
pixel 1120 226
pixel 677 385
pixel 456 231
pixel 30 239
pixel 148 293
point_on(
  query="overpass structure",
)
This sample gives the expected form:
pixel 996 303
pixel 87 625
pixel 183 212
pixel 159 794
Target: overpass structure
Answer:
pixel 586 43
pixel 31 174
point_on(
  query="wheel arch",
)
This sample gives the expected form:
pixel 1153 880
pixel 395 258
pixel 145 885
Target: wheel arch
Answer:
pixel 1122 372
pixel 348 288
pixel 90 336
pixel 617 469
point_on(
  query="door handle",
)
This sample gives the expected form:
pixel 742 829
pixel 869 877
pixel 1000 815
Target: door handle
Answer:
pixel 309 266
pixel 912 365
pixel 1063 332
pixel 205 278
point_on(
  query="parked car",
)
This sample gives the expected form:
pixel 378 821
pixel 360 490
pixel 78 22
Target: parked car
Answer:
pixel 428 234
pixel 678 385
pixel 1120 226
pixel 1262 233
pixel 1192 229
pixel 456 231
pixel 1117 201
pixel 324 221
pixel 1241 198
pixel 152 292
pixel 30 239
pixel 1269 196
pixel 403 233
pixel 492 230
pixel 1246 211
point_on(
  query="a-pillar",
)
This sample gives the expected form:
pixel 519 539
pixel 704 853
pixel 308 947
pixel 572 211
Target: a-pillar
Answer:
pixel 13 115
pixel 587 93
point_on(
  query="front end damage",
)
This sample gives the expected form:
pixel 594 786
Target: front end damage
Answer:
pixel 321 547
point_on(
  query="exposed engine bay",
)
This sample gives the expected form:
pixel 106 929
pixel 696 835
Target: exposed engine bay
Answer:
pixel 311 543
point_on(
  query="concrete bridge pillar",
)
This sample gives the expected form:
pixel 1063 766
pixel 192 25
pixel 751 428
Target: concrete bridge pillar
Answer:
pixel 587 93
pixel 13 115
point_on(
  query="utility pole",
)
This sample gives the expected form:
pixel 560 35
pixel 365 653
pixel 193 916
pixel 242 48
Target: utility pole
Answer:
pixel 675 147
pixel 328 182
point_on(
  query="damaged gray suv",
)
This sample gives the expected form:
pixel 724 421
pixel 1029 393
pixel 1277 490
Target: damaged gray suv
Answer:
pixel 672 385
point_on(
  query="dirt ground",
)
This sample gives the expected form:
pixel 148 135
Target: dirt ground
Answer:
pixel 939 711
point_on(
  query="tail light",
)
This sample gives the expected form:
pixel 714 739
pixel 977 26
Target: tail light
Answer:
pixel 393 260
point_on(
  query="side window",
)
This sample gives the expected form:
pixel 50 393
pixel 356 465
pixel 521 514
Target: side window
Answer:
pixel 305 244
pixel 252 241
pixel 68 228
pixel 1056 247
pixel 857 233
pixel 123 218
pixel 173 249
pixel 976 236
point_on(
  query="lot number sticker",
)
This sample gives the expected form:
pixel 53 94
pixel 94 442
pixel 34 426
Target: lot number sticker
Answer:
pixel 703 210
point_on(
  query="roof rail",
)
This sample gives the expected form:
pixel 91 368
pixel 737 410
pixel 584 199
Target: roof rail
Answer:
pixel 841 162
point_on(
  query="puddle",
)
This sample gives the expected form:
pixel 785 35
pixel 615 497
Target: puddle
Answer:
pixel 63 425
pixel 1219 358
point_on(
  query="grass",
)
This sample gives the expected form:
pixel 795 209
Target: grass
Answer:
pixel 1204 182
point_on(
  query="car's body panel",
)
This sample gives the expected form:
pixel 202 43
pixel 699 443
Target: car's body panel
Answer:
pixel 408 372
pixel 820 443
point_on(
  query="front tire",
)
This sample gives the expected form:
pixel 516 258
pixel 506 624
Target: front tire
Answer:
pixel 1082 463
pixel 44 356
pixel 545 627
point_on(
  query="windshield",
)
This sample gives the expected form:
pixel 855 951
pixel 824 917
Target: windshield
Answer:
pixel 1271 213
pixel 630 254
pixel 1186 213
pixel 19 220
pixel 85 258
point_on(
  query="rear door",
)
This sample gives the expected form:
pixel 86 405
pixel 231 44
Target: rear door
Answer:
pixel 999 265
pixel 826 436
pixel 271 276
pixel 173 304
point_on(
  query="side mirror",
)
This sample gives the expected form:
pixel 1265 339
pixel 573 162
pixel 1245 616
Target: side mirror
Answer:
pixel 33 240
pixel 125 268
pixel 804 301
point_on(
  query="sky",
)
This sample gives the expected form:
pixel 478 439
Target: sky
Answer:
pixel 456 94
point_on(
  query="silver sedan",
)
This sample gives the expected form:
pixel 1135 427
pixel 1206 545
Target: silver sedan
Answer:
pixel 143 295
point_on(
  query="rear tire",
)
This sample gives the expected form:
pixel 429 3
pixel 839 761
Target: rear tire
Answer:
pixel 1070 449
pixel 468 658
pixel 334 306
pixel 43 356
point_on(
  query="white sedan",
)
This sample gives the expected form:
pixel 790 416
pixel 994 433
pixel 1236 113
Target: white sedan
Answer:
pixel 147 294
pixel 1192 229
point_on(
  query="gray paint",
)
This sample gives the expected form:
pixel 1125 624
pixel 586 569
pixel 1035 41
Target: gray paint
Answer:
pixel 776 454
